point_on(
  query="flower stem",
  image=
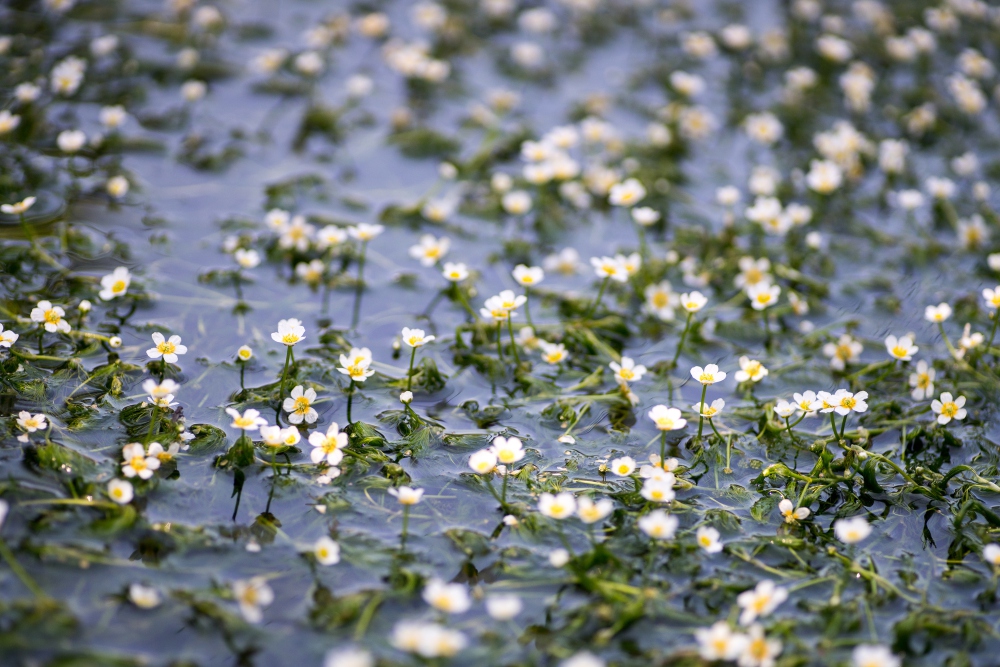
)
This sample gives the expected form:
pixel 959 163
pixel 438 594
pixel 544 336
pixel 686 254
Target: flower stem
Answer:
pixel 19 571
pixel 663 447
pixel 503 489
pixel 409 373
pixel 406 523
pixel 680 343
pixel 597 301
pixel 350 398
pixel 152 421
pixel 701 410
pixel 513 344
pixel 499 341
pixel 527 310
pixel 284 373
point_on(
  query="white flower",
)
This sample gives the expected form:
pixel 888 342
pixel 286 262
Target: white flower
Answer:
pixel 708 539
pixel 622 466
pixel 326 551
pixel 758 650
pixel 527 276
pixel 115 284
pixel 948 407
pixel 516 202
pixel 566 261
pixel 661 300
pixel 71 141
pixel 406 495
pixel 592 512
pixel 503 607
pixel 558 506
pixel 144 597
pixel 552 353
pixel 30 422
pixel 627 370
pixel 582 659
pixel 938 313
pixel 329 446
pixel 244 353
pixel 922 381
pixel 250 420
pixel 355 364
pixel 483 462
pixel 751 370
pixel 710 374
pixel 120 491
pixel 873 655
pixel 666 419
pixel 719 642
pixel 763 295
pixel 8 123
pixel 709 411
pixel 168 349
pixel 406 397
pixel 365 231
pixel 844 351
pixel 21 206
pixel 7 337
pixel 753 272
pixel 558 557
pixel 455 272
pixel 760 601
pixel 792 513
pixel 51 317
pixel 628 193
pixel 299 406
pixel 659 525
pixel 692 302
pixel 507 450
pixel 247 259
pixel 117 186
pixel 645 216
pixel 991 553
pixel 162 390
pixel 659 489
pixel 430 250
pixel 852 530
pixel 289 332
pixel 349 657
pixel 251 595
pixel 450 598
pixel 137 462
pixel 415 337
pixel 824 176
pixel 764 128
pixel 900 348
pixel 610 267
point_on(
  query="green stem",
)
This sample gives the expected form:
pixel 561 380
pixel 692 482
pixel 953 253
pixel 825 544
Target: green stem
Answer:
pixel 513 344
pixel 701 409
pixel 499 340
pixel 409 373
pixel 406 523
pixel 680 344
pixel 19 571
pixel 152 422
pixel 284 374
pixel 350 399
pixel 663 447
pixel 597 301
pixel 527 310
pixel 503 488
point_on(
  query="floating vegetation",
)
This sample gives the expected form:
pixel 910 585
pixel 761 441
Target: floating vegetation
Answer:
pixel 582 333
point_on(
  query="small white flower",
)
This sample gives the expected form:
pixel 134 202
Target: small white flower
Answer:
pixel 299 406
pixel 666 419
pixel 137 462
pixel 120 491
pixel 751 370
pixel 948 407
pixel 938 313
pixel 503 607
pixel 901 348
pixel 845 351
pixel 719 642
pixel 455 272
pixel 708 539
pixel 527 276
pixel 50 317
pixel 31 423
pixel 326 551
pixel 329 446
pixel 659 525
pixel 166 348
pixel 592 512
pixel 693 301
pixel 450 598
pixel 483 462
pixel 251 596
pixel 627 370
pixel 659 489
pixel 406 495
pixel 709 411
pixel 710 374
pixel 763 295
pixel 873 655
pixel 415 337
pixel 792 513
pixel 852 530
pixel 430 250
pixel 760 601
pixel 250 420
pixel 557 506
pixel 507 450
pixel 144 597
pixel 622 466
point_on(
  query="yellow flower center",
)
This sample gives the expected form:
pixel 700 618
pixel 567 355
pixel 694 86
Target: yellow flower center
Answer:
pixel 623 469
pixel 301 405
pixel 289 339
pixel 118 286
pixel 706 378
pixel 899 351
pixel 758 648
pixel 923 380
pixel 949 409
pixel 138 463
pixel 52 317
pixel 752 368
pixel 848 402
pixel 660 299
pixel 626 374
pixel 753 276
pixel 844 351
